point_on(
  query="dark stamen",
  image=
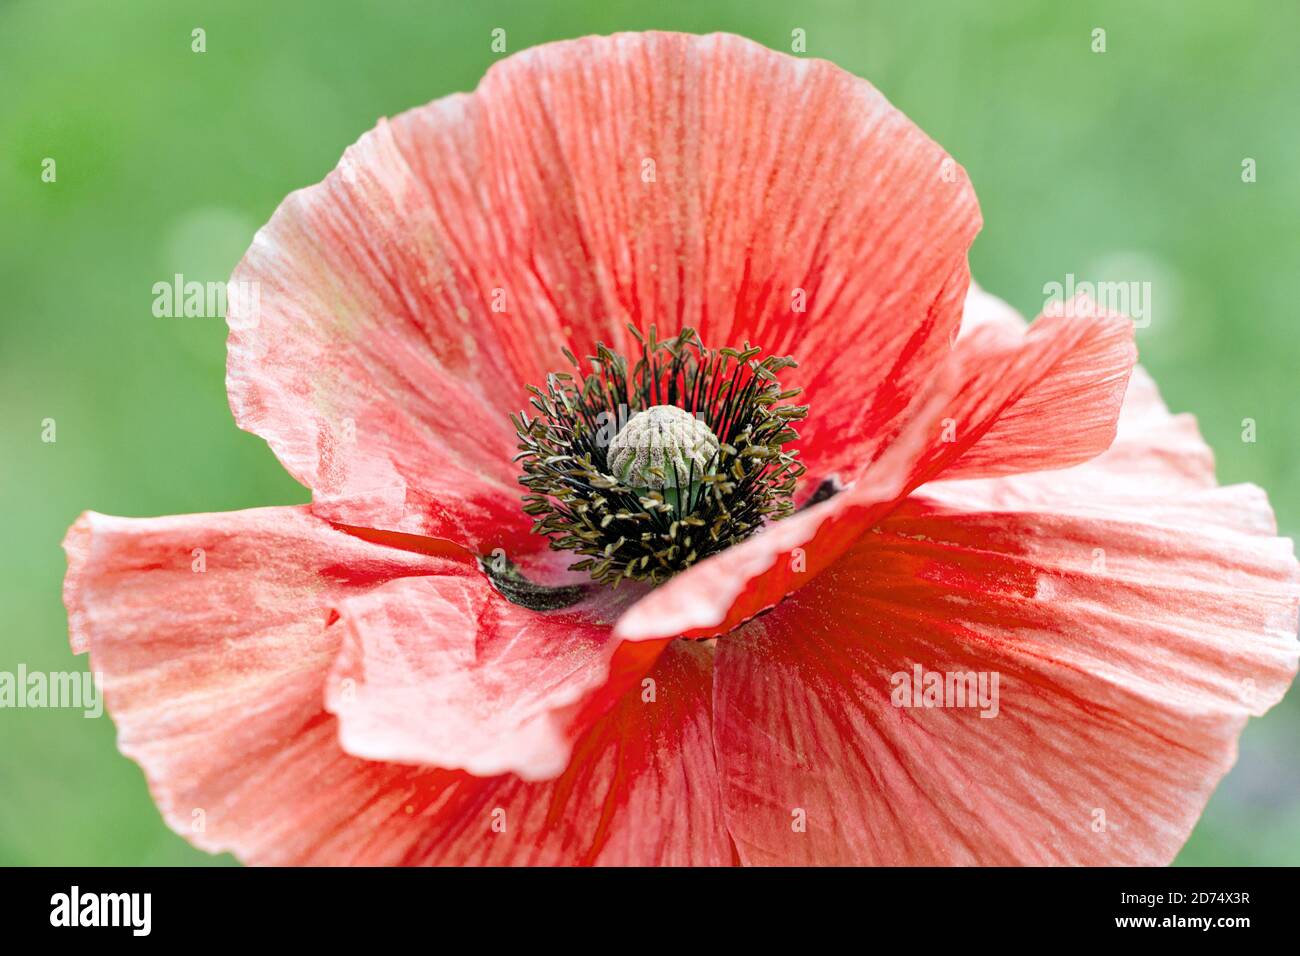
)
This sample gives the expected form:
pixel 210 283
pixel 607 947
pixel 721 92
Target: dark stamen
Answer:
pixel 649 524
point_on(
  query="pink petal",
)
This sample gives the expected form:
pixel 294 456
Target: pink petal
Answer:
pixel 1044 399
pixel 447 672
pixel 214 664
pixel 1154 454
pixel 212 631
pixel 378 371
pixel 641 790
pixel 1124 684
pixel 216 584
pixel 215 681
pixel 1153 451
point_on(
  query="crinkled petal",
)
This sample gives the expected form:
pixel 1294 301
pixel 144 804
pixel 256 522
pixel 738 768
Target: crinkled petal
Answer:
pixel 223 709
pixel 447 672
pixel 212 632
pixel 214 636
pixel 641 790
pixel 1154 454
pixel 1129 651
pixel 1045 400
pixel 230 589
pixel 406 301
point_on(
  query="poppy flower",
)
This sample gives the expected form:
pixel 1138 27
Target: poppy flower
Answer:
pixel 658 441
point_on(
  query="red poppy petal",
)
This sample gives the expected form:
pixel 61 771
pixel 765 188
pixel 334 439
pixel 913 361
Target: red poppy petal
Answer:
pixel 218 585
pixel 1065 378
pixel 215 681
pixel 447 672
pixel 705 181
pixel 1124 682
pixel 211 632
pixel 1154 454
pixel 393 412
pixel 431 665
pixel 1048 399
pixel 641 789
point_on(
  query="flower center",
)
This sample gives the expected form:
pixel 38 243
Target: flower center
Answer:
pixel 643 473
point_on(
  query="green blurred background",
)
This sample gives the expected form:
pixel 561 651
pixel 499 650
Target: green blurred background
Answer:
pixel 1124 165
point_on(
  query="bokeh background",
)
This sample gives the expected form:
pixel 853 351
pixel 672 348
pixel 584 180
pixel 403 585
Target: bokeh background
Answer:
pixel 1123 165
